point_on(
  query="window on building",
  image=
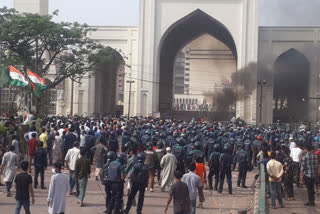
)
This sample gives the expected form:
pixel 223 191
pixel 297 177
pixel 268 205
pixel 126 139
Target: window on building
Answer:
pixel 52 93
pixel 52 108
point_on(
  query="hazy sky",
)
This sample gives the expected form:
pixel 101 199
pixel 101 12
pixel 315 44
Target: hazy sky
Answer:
pixel 126 12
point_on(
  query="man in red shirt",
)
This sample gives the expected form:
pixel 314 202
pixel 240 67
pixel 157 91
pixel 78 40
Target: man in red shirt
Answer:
pixel 32 146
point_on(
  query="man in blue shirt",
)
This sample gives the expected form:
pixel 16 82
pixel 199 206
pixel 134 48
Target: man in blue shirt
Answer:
pixel 195 185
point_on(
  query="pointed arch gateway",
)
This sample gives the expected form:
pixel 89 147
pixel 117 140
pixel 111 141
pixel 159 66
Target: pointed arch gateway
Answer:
pixel 175 38
pixel 291 85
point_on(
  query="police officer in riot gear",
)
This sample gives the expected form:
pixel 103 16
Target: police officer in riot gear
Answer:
pixel 116 176
pixel 248 147
pixel 214 166
pixel 242 158
pixel 196 152
pixel 177 150
pixel 139 181
pixel 111 156
pixel 226 160
pixel 238 145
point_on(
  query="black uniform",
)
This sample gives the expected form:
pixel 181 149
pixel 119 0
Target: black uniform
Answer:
pixel 242 159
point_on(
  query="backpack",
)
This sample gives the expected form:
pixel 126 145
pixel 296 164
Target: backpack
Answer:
pixel 178 152
pixel 242 157
pixel 215 159
pixel 140 174
pixel 150 161
pixel 247 146
pixel 114 172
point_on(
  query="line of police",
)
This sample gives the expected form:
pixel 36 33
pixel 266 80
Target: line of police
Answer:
pixel 222 146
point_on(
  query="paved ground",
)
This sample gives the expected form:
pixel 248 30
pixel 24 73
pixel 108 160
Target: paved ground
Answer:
pixel 297 206
pixel 154 202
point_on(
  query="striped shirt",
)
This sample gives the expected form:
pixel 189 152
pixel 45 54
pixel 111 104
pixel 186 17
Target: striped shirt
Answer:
pixel 309 165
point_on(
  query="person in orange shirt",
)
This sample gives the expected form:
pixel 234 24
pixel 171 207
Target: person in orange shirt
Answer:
pixel 201 172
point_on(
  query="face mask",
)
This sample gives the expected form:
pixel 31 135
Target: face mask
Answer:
pixel 53 171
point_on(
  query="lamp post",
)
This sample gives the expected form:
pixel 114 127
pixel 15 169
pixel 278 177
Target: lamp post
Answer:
pixel 261 83
pixel 129 103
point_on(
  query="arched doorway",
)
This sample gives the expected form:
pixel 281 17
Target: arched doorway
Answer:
pixel 176 37
pixel 109 83
pixel 291 85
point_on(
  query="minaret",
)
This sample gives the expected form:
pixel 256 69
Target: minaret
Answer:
pixel 32 6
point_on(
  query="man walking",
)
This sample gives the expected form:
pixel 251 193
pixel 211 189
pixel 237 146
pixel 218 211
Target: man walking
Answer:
pixel 226 161
pixel 32 146
pixel 195 185
pixel 72 156
pixel 152 162
pixel 180 194
pixel 214 166
pixel 275 172
pixel 44 139
pixel 242 158
pixel 40 165
pixel 116 176
pixel 16 145
pixel 23 189
pixel 309 171
pixel 58 189
pixel 139 181
pixel 100 152
pixel 111 156
pixel 82 173
pixel 10 161
pixel 168 165
pixel 296 155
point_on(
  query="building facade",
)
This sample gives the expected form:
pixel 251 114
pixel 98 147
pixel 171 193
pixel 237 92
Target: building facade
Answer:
pixel 184 51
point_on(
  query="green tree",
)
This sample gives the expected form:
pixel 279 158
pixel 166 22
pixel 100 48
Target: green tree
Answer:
pixel 31 41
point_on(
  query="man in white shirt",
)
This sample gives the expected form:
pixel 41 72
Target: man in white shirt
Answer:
pixel 72 156
pixel 296 155
pixel 292 143
pixel 57 190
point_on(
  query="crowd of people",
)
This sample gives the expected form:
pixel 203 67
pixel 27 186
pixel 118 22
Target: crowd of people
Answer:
pixel 184 158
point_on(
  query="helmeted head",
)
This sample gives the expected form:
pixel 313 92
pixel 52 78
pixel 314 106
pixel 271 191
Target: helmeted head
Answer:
pixel 160 145
pixel 180 141
pixel 122 158
pixel 111 156
pixel 197 145
pixel 227 149
pixel 149 145
pixel 141 157
pixel 112 134
pixel 162 135
pixel 217 147
pixel 259 138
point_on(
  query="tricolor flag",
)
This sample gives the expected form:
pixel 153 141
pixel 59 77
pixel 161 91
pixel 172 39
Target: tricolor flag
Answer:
pixel 17 78
pixel 37 83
